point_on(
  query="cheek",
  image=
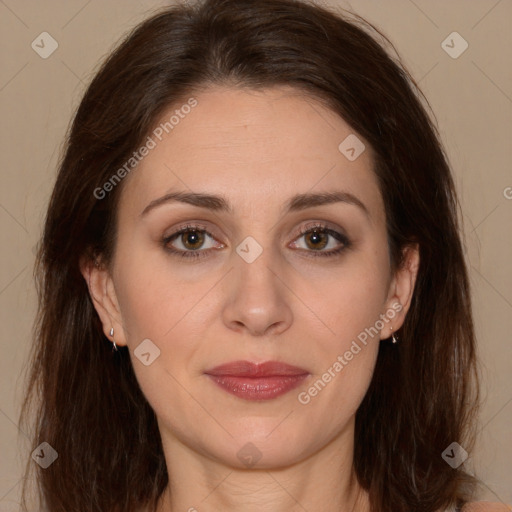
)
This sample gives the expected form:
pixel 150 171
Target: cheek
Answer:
pixel 351 297
pixel 155 294
pixel 351 305
pixel 161 304
pixel 156 305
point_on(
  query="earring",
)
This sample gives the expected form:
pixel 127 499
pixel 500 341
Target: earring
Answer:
pixel 113 341
pixel 393 337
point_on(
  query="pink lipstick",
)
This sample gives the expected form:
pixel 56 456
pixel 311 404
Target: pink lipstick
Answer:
pixel 252 381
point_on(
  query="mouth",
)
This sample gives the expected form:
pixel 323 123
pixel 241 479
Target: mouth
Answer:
pixel 257 382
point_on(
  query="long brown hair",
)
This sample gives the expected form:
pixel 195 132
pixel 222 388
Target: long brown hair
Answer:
pixel 424 391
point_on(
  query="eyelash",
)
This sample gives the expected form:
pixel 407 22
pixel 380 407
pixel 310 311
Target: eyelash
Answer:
pixel 202 253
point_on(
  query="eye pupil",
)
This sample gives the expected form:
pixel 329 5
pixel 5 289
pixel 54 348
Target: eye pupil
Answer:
pixel 317 236
pixel 191 239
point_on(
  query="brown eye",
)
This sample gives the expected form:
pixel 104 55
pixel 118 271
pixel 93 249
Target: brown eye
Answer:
pixel 192 239
pixel 189 242
pixel 316 239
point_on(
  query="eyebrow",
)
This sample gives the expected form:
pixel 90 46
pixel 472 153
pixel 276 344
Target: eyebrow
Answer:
pixel 297 203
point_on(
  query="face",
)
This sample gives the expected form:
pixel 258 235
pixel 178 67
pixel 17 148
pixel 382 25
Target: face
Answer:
pixel 269 271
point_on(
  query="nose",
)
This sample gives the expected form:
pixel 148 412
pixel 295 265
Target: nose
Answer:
pixel 257 297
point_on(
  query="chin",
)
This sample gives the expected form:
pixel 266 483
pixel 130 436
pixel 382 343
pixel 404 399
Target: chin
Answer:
pixel 263 447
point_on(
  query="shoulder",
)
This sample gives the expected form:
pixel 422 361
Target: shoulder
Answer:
pixel 486 506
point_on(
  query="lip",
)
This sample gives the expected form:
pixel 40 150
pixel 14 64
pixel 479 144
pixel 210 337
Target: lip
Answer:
pixel 252 381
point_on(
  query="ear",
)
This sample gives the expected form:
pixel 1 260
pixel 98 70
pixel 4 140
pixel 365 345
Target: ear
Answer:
pixel 401 290
pixel 103 295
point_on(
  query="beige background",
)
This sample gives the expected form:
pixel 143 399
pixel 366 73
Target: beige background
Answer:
pixel 472 99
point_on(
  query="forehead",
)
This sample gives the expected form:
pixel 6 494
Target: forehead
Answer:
pixel 253 146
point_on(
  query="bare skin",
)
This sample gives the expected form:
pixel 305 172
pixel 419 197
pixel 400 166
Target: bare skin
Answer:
pixel 257 149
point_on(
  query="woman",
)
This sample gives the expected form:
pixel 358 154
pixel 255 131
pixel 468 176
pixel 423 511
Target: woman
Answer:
pixel 255 212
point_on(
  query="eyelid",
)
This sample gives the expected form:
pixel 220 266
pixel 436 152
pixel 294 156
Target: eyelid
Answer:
pixel 318 224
